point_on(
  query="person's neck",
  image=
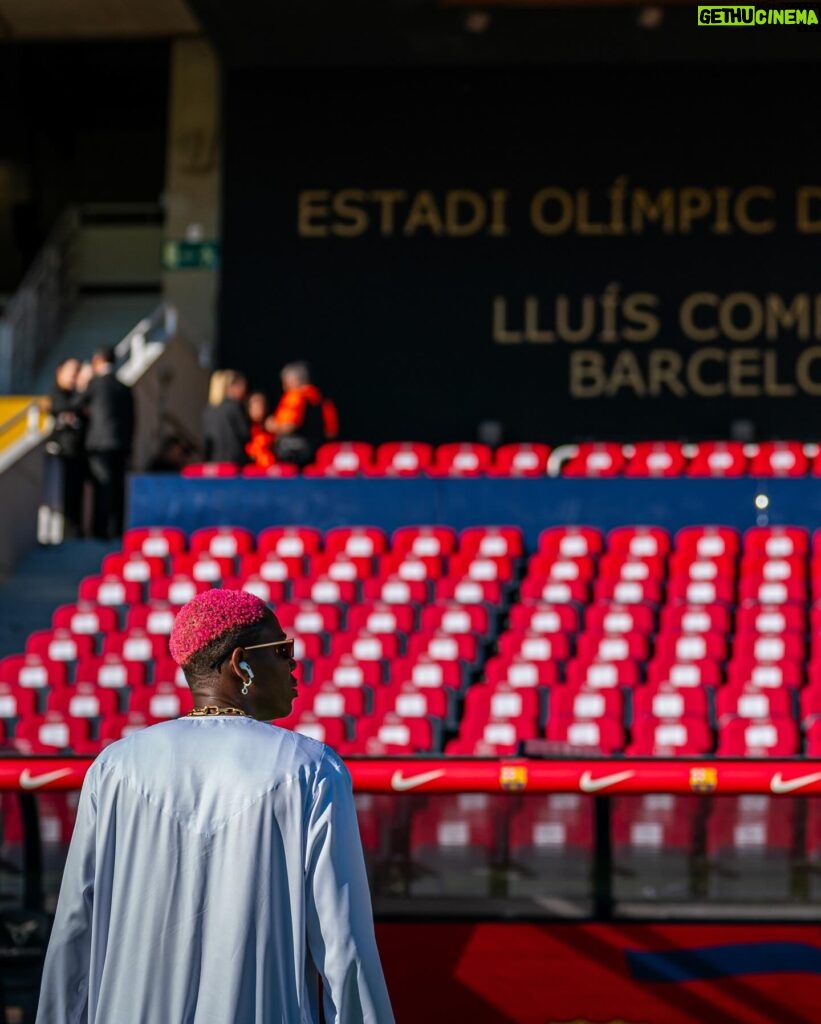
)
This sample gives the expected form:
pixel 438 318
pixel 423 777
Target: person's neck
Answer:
pixel 211 699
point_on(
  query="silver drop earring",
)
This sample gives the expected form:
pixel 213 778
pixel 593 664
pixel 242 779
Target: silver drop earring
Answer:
pixel 246 682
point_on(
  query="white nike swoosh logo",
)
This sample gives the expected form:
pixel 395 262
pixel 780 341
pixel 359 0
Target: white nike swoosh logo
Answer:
pixel 29 781
pixel 587 784
pixel 399 783
pixel 781 785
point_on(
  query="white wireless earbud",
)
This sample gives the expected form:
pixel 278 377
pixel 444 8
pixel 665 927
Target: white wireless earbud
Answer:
pixel 247 682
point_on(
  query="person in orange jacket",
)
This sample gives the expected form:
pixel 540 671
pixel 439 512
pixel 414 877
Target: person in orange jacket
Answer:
pixel 304 418
pixel 259 449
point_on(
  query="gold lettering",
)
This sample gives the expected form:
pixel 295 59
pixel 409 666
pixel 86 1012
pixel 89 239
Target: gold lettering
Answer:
pixel 498 212
pixel 727 323
pixel 588 320
pixel 388 199
pixel 501 334
pixel 538 216
pixel 744 363
pixel 584 225
pixel 796 317
pixel 354 220
pixel 533 332
pixel 772 386
pixel 721 224
pixel 644 208
pixel 456 198
pixel 686 316
pixel 587 377
pixel 694 203
pixel 626 374
pixel 424 213
pixel 664 370
pixel 802 371
pixel 312 204
pixel 744 217
pixel 635 312
pixel 698 385
pixel 804 221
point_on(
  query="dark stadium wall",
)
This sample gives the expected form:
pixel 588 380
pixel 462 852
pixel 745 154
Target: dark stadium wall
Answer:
pixel 602 252
pixel 87 125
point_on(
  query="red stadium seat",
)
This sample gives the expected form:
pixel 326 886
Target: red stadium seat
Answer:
pixel 770 620
pixel 344 670
pixel 639 541
pixel 133 566
pixel 685 737
pixel 324 590
pixel 776 541
pixel 742 737
pixel 136 645
pixel 778 458
pixel 59 645
pixel 744 670
pixel 161 701
pixel 570 541
pixel 492 541
pixel 153 618
pixel 595 460
pixel 53 733
pixel 345 458
pixel 394 590
pixel 707 541
pixel 461 460
pixel 278 470
pixel 718 458
pixel 468 591
pixel 109 590
pixel 520 460
pixel 117 727
pixel 684 674
pixel 16 702
pixel 600 735
pixel 110 671
pixel 424 541
pixel 451 617
pixel 752 702
pixel 289 541
pixel 339 566
pixel 375 617
pixel 597 675
pixel 519 671
pixel 222 541
pixel 154 541
pixel 582 704
pixel 210 470
pixel 615 647
pixel 427 673
pixel 85 618
pixel 669 702
pixel 616 619
pixel 656 458
pixel 393 735
pixel 697 618
pixel 202 566
pixel 176 590
pixel 405 458
pixel 308 618
pixel 544 618
pixel 32 672
pixel 84 700
pixel 356 541
pixel 325 730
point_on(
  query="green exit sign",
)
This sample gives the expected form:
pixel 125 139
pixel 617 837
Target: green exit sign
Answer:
pixel 191 255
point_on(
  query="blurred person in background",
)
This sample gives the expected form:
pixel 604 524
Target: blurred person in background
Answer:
pixel 65 466
pixel 109 408
pixel 259 449
pixel 216 386
pixel 215 872
pixel 225 426
pixel 303 420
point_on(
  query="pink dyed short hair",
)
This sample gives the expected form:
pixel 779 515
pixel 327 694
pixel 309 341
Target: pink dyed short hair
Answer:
pixel 210 615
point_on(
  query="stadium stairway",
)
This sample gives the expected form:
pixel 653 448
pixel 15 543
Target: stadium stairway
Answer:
pixel 48 575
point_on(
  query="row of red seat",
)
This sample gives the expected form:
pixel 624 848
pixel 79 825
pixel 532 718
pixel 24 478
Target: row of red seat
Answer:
pixel 645 459
pixel 402 666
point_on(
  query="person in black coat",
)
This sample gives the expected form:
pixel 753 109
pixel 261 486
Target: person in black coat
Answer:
pixel 109 408
pixel 226 427
pixel 65 471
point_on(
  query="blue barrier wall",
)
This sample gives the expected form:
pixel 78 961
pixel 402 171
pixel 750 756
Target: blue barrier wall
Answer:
pixel 532 504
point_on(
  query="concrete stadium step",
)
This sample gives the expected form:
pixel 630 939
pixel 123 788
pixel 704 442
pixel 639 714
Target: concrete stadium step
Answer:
pixel 47 577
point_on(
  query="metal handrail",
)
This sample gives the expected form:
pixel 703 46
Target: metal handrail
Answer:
pixel 36 314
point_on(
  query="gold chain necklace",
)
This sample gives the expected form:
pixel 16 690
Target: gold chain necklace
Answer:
pixel 212 709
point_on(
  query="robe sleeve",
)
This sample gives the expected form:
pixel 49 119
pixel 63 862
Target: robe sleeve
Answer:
pixel 64 988
pixel 341 939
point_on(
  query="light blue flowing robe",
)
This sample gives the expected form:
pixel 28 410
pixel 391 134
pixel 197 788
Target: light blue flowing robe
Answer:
pixel 215 868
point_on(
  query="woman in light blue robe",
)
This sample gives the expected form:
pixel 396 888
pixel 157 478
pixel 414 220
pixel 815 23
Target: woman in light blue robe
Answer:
pixel 216 872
